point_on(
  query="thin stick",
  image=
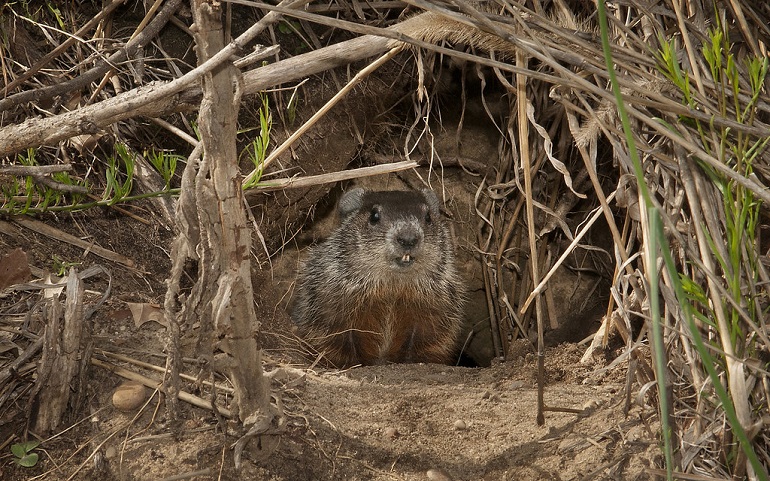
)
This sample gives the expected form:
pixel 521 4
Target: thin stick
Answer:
pixel 300 182
pixel 541 286
pixel 176 131
pixel 34 170
pixel 526 164
pixel 153 384
pixel 321 112
pixel 57 234
pixel 153 367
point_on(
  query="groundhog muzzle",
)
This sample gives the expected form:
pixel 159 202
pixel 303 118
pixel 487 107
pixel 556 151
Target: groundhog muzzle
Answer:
pixel 383 287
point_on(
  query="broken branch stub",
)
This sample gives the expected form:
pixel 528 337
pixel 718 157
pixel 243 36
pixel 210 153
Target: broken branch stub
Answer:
pixel 62 356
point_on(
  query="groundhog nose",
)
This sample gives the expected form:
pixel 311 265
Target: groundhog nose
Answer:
pixel 407 241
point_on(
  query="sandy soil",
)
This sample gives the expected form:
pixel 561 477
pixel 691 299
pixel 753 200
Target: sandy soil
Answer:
pixel 418 422
pixel 394 422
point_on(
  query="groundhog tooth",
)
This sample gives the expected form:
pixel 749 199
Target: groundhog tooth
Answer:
pixel 405 258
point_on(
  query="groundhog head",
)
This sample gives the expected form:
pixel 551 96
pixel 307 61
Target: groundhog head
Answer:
pixel 396 232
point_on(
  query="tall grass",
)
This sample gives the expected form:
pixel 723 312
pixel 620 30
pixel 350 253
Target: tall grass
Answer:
pixel 721 320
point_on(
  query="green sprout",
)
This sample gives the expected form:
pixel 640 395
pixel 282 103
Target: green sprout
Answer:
pixel 257 150
pixel 116 189
pixel 23 454
pixel 60 266
pixel 164 163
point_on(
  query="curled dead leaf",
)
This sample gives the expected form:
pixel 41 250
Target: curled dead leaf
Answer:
pixel 144 312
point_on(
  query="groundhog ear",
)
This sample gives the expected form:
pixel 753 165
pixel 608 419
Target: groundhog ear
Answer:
pixel 351 201
pixel 431 200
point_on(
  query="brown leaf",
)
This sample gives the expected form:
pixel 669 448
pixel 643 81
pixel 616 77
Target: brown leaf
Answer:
pixel 144 312
pixel 14 268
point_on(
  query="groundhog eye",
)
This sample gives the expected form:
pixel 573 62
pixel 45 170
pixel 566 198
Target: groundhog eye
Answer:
pixel 374 217
pixel 428 219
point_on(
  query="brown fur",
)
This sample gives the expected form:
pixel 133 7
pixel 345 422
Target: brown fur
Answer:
pixel 382 290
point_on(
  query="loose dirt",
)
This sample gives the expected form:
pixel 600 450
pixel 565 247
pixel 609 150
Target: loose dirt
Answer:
pixel 393 422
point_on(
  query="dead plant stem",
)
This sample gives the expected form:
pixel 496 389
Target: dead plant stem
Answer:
pixel 567 252
pixel 321 112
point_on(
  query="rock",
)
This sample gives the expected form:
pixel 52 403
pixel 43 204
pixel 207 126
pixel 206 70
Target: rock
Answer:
pixel 110 452
pixel 129 396
pixel 438 475
pixel 460 425
pixel 390 433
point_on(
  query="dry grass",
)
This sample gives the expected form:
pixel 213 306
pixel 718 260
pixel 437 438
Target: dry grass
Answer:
pixel 700 131
pixel 698 110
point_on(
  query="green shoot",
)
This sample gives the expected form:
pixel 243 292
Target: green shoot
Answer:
pixel 164 163
pixel 116 190
pixel 23 455
pixel 257 150
pixel 60 266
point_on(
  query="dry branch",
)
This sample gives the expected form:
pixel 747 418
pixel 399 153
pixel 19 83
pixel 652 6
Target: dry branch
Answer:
pixel 146 36
pixel 54 233
pixel 331 177
pixel 148 101
pixel 213 229
pixel 154 100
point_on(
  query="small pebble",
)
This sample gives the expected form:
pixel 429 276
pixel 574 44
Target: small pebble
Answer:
pixel 460 425
pixel 110 452
pixel 129 396
pixel 517 385
pixel 438 475
pixel 390 433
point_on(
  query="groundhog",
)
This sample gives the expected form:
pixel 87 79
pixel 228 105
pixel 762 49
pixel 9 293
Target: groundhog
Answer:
pixel 383 288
